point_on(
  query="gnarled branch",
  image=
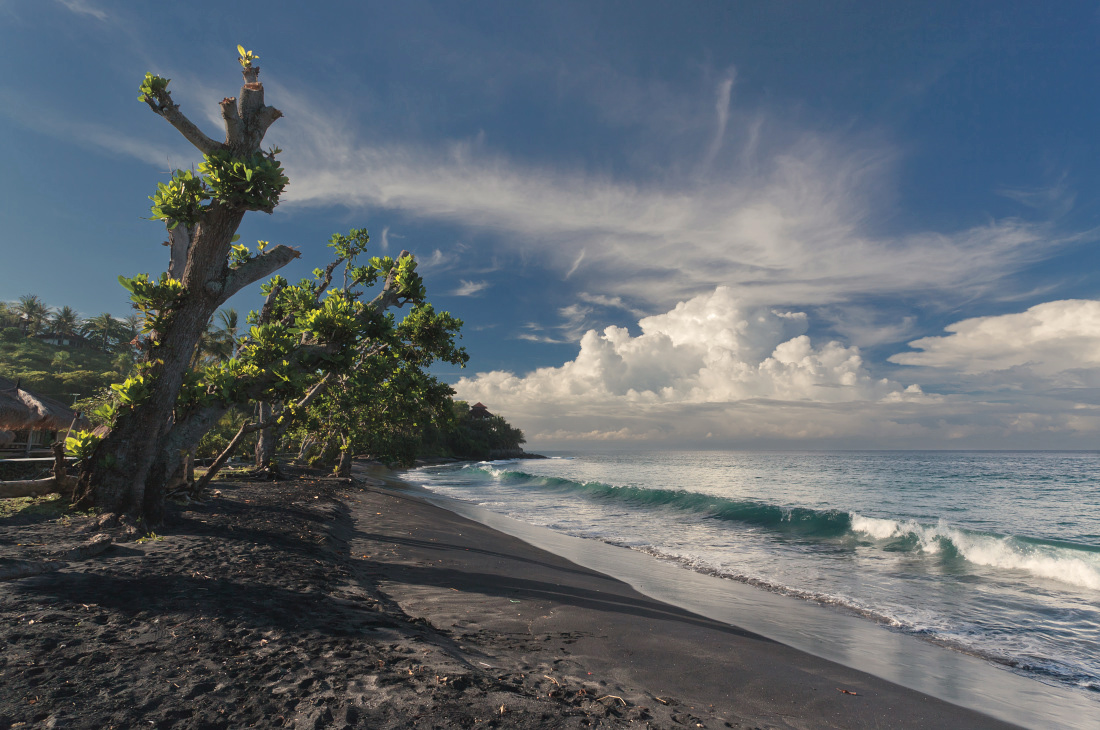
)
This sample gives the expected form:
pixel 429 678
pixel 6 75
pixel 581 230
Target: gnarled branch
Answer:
pixel 248 428
pixel 255 269
pixel 165 107
pixel 389 296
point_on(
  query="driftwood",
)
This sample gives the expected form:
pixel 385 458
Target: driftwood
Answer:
pixel 60 482
pixel 12 569
pixel 28 488
pixel 89 548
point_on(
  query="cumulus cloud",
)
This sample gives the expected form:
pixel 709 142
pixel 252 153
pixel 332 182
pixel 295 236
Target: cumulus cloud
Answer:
pixel 680 374
pixel 717 370
pixel 1049 339
pixel 707 349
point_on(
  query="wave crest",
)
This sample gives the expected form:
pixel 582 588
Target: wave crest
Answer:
pixel 1070 564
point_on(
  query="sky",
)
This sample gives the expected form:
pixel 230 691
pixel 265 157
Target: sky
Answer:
pixel 705 225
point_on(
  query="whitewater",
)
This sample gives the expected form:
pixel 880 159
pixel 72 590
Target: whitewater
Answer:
pixel 996 554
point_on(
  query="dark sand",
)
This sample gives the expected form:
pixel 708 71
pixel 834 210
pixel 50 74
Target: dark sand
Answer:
pixel 312 604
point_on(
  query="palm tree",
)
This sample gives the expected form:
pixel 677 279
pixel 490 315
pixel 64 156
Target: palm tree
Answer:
pixel 103 328
pixel 133 323
pixel 123 362
pixel 61 361
pixel 227 334
pixel 64 322
pixel 129 329
pixel 33 311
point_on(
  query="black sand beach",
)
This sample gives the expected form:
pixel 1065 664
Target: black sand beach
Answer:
pixel 313 603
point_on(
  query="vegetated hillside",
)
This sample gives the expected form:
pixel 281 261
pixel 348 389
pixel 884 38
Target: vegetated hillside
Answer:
pixel 57 371
pixel 467 435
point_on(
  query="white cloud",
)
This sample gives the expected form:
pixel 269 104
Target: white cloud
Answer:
pixel 602 300
pixel 576 264
pixel 722 109
pixel 1046 340
pixel 783 223
pixel 86 133
pixel 470 288
pixel 1055 200
pixel 749 375
pixel 694 366
pixel 83 7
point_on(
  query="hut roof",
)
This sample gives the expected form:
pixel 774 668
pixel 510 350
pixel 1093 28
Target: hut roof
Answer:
pixel 22 410
pixel 478 410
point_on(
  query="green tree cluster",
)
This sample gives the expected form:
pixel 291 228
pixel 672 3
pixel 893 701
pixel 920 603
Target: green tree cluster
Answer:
pixel 327 354
pixel 59 372
pixel 29 316
pixel 467 435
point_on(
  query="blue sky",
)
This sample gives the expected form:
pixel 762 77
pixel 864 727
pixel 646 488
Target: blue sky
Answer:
pixel 714 224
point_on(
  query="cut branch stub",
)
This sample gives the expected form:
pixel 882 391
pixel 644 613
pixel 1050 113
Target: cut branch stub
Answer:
pixel 251 100
pixel 232 117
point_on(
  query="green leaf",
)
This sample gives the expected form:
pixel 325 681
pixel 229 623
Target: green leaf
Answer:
pixel 240 50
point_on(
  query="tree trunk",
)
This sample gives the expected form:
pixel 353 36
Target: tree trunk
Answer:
pixel 265 445
pixel 174 464
pixel 223 457
pixel 189 465
pixel 343 468
pixel 307 443
pixel 131 465
pixel 124 459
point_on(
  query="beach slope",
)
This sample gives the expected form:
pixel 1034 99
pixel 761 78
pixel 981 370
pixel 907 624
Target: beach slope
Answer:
pixel 315 603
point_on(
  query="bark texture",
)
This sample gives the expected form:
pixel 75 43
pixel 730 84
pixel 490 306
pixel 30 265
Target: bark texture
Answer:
pixel 133 464
pixel 265 444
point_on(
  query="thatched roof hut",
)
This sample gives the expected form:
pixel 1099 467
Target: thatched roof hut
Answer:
pixel 22 410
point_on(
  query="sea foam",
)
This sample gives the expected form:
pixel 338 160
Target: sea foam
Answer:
pixel 1072 566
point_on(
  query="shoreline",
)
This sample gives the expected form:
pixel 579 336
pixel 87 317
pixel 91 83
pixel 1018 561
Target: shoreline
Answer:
pixel 719 664
pixel 832 633
pixel 315 603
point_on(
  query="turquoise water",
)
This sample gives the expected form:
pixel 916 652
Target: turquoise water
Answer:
pixel 993 553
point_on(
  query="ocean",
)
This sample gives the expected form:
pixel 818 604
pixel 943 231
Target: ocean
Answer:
pixel 992 554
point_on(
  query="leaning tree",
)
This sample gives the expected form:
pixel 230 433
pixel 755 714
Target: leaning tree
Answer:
pixel 202 212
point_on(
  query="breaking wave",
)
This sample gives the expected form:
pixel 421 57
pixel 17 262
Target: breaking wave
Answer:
pixel 1069 563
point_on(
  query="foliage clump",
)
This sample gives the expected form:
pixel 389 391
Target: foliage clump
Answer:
pixel 470 435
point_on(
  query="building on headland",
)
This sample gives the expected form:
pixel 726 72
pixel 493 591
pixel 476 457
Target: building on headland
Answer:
pixel 478 410
pixel 73 341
